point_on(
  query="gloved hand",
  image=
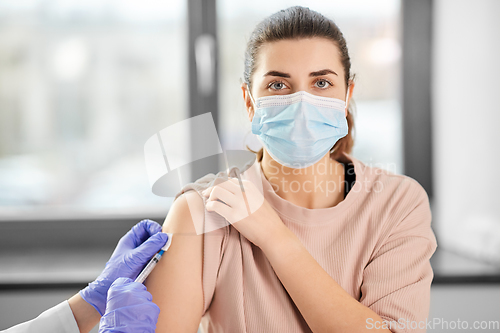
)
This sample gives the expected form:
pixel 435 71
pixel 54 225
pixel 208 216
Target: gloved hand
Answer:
pixel 129 309
pixel 133 252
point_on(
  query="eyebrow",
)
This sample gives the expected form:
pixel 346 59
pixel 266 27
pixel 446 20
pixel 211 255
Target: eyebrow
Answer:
pixel 322 72
pixel 276 73
pixel 312 74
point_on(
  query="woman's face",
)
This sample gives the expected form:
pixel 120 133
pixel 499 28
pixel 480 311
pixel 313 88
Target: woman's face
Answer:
pixel 287 66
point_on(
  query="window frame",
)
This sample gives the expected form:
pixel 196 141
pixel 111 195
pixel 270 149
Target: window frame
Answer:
pixel 416 26
pixel 103 233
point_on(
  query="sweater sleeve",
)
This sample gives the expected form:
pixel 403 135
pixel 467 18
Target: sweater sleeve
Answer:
pixel 397 279
pixel 215 231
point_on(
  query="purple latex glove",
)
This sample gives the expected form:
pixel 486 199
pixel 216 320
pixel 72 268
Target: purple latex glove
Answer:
pixel 129 308
pixel 133 252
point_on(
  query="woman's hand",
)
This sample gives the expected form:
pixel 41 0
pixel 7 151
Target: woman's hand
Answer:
pixel 247 210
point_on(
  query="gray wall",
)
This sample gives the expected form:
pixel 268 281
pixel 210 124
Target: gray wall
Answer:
pixel 20 306
pixel 448 303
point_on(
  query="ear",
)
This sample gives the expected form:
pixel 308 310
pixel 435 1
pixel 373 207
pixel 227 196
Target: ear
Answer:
pixel 248 101
pixel 350 90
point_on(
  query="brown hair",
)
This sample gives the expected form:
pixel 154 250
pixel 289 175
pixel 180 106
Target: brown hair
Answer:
pixel 295 23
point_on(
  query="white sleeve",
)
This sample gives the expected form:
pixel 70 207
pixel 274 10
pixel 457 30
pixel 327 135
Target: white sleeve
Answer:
pixel 58 319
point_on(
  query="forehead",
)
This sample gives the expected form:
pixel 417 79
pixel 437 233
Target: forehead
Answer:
pixel 299 56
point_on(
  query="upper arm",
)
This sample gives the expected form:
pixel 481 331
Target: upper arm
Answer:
pixel 176 282
pixel 397 280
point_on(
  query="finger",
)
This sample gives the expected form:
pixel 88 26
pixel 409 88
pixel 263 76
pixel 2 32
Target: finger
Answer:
pixel 225 185
pixel 142 254
pixel 241 184
pixel 215 182
pixel 125 291
pixel 142 231
pixel 206 192
pixel 234 180
pixel 121 281
pixel 146 228
pixel 232 185
pixel 224 195
pixel 220 208
pixel 135 288
pixel 147 294
pixel 152 227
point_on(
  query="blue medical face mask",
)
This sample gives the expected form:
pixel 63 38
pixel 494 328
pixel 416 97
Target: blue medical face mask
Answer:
pixel 299 129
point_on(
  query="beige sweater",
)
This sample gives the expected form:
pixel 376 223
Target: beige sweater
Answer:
pixel 376 244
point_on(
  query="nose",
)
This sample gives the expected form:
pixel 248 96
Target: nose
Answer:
pixel 301 85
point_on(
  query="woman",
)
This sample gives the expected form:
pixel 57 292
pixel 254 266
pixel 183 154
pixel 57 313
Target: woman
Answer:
pixel 331 245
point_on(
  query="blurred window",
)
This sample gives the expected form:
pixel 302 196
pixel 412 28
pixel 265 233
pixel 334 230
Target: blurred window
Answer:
pixel 83 85
pixel 372 31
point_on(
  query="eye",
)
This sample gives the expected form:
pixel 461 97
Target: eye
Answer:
pixel 277 85
pixel 322 83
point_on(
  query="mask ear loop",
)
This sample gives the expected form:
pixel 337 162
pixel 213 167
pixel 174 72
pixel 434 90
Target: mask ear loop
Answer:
pixel 253 102
pixel 251 98
pixel 248 91
pixel 347 100
pixel 346 111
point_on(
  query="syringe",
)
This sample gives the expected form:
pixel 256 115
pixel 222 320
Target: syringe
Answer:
pixel 152 263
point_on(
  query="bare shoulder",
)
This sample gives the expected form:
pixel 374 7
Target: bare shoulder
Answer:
pixel 185 214
pixel 176 282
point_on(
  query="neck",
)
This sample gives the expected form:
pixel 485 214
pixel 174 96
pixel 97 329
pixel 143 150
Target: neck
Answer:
pixel 320 185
